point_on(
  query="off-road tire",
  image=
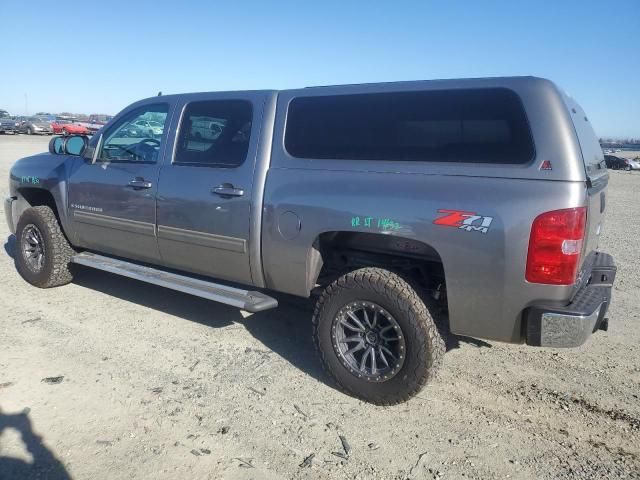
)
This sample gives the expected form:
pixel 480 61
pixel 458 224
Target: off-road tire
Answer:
pixel 55 270
pixel 424 345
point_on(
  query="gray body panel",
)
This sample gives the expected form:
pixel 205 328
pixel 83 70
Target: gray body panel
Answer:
pixel 202 232
pixel 110 217
pixel 42 172
pixel 107 214
pixel 267 237
pixel 484 272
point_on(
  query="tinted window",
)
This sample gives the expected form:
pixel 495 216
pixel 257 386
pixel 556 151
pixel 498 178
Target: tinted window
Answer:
pixel 484 126
pixel 591 151
pixel 214 133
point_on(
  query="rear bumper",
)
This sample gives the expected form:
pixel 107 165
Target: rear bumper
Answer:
pixel 571 325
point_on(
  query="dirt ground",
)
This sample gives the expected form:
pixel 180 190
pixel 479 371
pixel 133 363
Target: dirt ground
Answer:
pixel 157 384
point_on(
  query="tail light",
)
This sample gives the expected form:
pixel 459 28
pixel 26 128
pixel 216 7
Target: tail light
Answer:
pixel 555 246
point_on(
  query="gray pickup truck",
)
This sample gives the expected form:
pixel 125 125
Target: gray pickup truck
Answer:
pixel 479 202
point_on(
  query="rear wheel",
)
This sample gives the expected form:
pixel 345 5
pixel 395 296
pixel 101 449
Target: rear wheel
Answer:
pixel 376 337
pixel 43 255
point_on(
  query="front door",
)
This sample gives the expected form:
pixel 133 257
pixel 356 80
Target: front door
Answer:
pixel 204 193
pixel 112 196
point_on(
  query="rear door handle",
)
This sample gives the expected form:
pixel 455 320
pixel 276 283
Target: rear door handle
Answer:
pixel 139 183
pixel 228 190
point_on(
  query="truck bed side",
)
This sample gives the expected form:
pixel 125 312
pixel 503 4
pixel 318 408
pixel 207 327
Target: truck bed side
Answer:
pixel 398 203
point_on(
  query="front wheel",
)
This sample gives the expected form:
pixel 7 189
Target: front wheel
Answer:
pixel 376 337
pixel 43 255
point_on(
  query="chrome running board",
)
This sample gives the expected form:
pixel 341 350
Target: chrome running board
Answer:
pixel 251 301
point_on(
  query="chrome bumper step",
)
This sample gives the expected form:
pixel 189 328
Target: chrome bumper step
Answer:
pixel 251 301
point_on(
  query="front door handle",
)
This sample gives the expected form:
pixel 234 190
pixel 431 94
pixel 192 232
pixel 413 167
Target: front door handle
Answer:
pixel 139 183
pixel 228 190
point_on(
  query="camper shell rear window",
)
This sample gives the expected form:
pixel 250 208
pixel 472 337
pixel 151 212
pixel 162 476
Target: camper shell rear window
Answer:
pixel 486 125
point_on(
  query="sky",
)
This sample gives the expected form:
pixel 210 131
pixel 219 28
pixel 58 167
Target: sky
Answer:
pixel 98 57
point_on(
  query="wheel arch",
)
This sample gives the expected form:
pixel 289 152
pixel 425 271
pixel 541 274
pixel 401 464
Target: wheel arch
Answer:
pixel 27 197
pixel 334 253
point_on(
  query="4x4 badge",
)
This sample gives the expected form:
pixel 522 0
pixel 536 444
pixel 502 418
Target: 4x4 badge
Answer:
pixel 469 221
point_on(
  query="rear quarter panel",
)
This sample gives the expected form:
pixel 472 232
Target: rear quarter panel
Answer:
pixel 484 271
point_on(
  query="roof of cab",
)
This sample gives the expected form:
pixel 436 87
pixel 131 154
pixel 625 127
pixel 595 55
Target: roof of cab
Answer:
pixel 395 85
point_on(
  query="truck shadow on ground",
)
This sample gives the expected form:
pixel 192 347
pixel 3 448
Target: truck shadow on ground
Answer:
pixel 286 330
pixel 44 465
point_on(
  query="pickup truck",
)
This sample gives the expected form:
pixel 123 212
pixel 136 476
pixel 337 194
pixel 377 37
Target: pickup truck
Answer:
pixel 476 202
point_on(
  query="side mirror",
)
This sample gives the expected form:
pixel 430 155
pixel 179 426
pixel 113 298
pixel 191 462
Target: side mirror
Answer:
pixel 56 145
pixel 75 145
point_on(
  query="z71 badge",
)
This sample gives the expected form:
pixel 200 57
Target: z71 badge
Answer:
pixel 469 221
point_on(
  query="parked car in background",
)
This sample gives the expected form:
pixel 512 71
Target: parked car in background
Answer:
pixel 49 117
pixel 633 164
pixel 615 163
pixel 68 127
pixel 149 128
pixel 618 163
pixel 95 122
pixel 100 119
pixel 34 125
pixel 130 130
pixel 205 128
pixel 7 124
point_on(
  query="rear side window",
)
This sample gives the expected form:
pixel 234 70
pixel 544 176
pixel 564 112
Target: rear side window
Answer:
pixel 476 126
pixel 592 155
pixel 214 133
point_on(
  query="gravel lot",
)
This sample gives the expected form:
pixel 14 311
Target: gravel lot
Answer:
pixel 157 384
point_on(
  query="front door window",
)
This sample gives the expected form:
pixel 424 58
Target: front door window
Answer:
pixel 137 137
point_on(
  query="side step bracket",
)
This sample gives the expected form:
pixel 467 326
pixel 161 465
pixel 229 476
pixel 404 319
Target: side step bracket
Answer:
pixel 251 301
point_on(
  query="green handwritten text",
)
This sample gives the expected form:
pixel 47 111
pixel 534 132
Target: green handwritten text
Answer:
pixel 29 179
pixel 384 224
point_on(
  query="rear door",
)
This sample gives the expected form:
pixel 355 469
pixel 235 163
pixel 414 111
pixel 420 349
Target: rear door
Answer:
pixel 112 197
pixel 205 188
